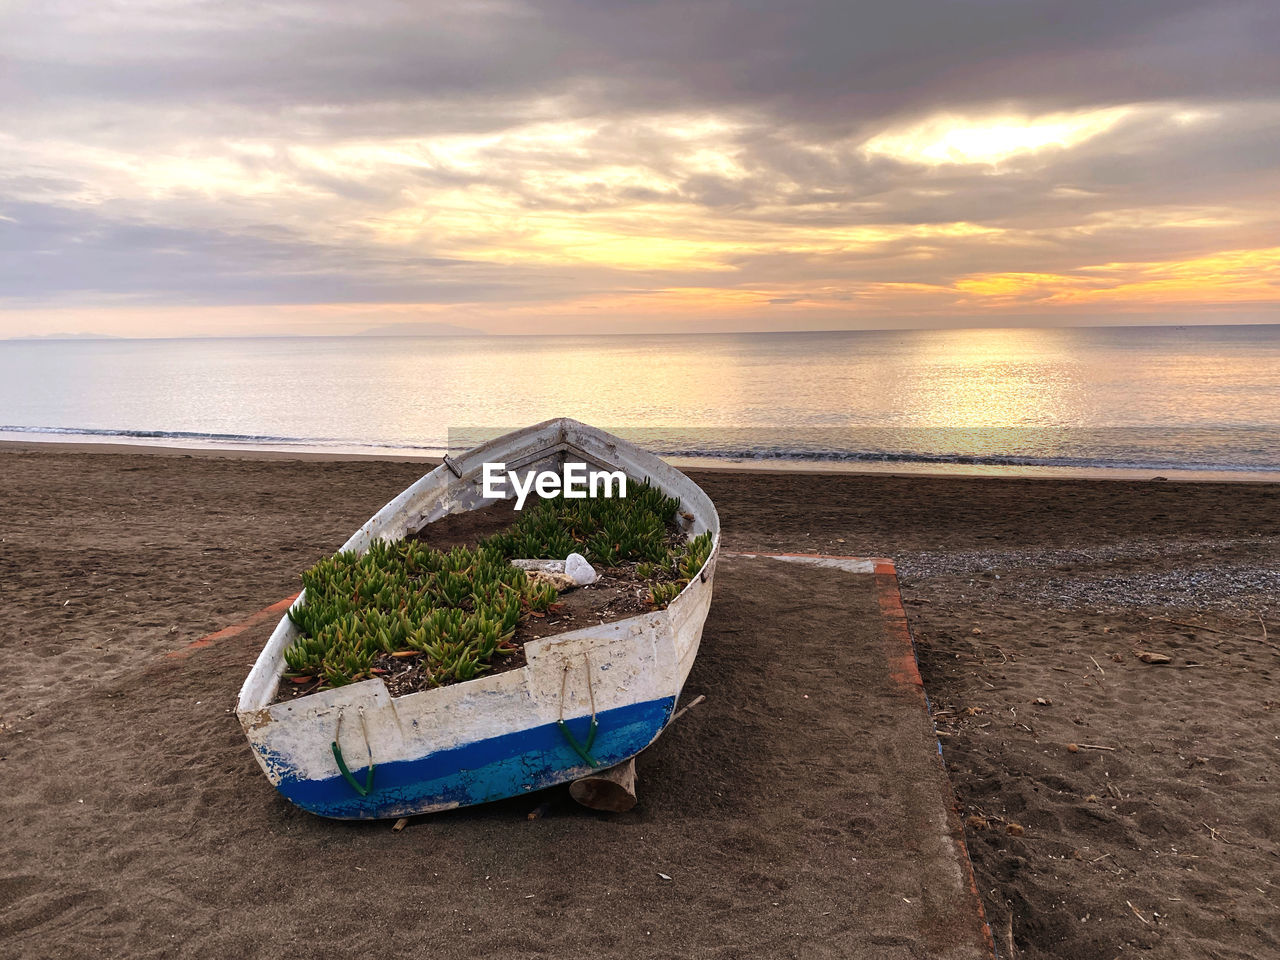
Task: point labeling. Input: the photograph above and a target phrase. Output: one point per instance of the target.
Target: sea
(1200, 401)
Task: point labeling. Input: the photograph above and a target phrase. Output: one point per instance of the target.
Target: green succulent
(459, 609)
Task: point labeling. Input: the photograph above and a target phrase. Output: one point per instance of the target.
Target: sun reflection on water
(989, 391)
(983, 378)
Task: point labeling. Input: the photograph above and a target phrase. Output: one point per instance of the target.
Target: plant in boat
(457, 611)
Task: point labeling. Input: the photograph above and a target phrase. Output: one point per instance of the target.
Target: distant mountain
(410, 328)
(66, 336)
(421, 328)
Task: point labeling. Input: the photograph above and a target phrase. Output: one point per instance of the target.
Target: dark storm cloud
(827, 62)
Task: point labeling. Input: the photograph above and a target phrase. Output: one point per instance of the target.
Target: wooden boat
(585, 700)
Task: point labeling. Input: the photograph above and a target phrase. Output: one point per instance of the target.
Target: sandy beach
(1030, 602)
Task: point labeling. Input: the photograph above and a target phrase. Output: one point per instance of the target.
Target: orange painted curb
(234, 629)
(900, 650)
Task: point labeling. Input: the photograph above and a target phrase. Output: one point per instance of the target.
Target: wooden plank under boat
(500, 735)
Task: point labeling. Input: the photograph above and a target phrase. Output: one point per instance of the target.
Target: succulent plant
(458, 610)
(662, 593)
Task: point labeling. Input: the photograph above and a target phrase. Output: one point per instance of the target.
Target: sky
(612, 166)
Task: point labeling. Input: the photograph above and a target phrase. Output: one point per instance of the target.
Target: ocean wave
(1136, 459)
(808, 455)
(255, 439)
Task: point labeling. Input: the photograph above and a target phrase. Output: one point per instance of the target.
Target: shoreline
(251, 452)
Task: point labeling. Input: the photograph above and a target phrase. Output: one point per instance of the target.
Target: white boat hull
(495, 736)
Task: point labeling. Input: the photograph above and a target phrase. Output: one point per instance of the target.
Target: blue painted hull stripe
(484, 770)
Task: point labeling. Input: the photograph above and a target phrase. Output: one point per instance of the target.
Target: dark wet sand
(1168, 842)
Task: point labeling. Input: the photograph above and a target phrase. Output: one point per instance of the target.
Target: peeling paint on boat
(494, 736)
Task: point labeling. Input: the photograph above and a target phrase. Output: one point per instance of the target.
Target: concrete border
(899, 650)
(904, 670)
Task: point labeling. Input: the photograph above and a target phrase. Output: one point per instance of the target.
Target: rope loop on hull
(581, 749)
(367, 788)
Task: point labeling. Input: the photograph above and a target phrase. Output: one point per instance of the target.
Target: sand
(1168, 843)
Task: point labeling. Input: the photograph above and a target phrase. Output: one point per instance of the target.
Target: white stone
(576, 566)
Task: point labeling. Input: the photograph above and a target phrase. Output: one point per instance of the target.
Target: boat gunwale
(256, 711)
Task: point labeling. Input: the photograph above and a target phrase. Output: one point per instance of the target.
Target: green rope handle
(581, 749)
(346, 774)
(342, 763)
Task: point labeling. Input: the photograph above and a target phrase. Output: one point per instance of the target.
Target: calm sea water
(1155, 398)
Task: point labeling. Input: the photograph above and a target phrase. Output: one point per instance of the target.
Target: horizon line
(99, 338)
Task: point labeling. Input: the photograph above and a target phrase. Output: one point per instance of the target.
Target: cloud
(546, 162)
